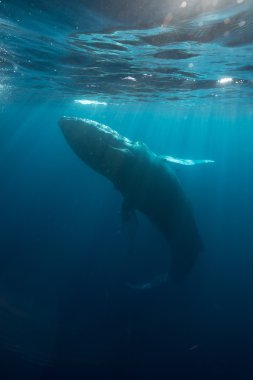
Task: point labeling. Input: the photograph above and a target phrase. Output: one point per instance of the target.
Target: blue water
(83, 296)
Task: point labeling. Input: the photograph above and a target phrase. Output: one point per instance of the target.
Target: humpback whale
(146, 182)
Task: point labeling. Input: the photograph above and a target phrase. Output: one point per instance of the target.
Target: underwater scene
(126, 224)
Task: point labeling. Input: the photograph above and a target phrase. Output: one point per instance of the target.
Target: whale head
(99, 146)
(84, 133)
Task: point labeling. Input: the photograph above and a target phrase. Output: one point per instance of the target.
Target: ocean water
(83, 295)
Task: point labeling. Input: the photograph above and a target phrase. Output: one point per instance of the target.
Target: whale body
(146, 182)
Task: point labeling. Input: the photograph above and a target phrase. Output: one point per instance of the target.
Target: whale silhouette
(146, 182)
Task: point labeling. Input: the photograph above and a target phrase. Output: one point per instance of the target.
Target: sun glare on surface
(225, 80)
(86, 102)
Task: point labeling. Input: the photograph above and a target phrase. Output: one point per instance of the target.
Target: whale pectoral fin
(183, 161)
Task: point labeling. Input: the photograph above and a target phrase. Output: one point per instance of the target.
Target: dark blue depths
(67, 310)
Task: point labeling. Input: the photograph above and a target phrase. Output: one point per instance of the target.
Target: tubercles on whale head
(90, 133)
(81, 136)
(70, 124)
(81, 129)
(96, 144)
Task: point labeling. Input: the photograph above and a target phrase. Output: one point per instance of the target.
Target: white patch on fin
(184, 161)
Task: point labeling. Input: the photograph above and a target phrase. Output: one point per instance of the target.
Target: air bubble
(183, 4)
